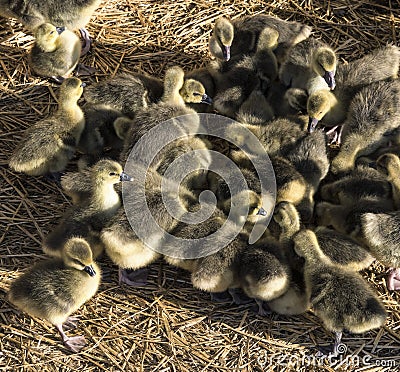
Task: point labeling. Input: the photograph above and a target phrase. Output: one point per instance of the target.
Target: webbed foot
(134, 278)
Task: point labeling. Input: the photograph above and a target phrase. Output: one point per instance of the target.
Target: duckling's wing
(35, 150)
(73, 223)
(77, 182)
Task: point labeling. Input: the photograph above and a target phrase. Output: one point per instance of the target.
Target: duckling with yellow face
(374, 114)
(294, 300)
(234, 39)
(339, 297)
(331, 108)
(124, 246)
(54, 289)
(48, 145)
(131, 93)
(56, 51)
(308, 60)
(72, 15)
(252, 72)
(90, 217)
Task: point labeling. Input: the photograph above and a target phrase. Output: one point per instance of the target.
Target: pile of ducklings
(292, 93)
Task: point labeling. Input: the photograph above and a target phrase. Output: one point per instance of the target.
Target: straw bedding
(166, 325)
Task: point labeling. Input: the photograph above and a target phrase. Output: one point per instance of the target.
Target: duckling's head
(324, 64)
(286, 215)
(221, 39)
(47, 36)
(306, 244)
(268, 39)
(108, 172)
(245, 206)
(121, 126)
(388, 164)
(194, 92)
(318, 105)
(78, 255)
(71, 90)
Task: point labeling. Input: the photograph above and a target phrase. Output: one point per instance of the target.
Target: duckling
(219, 271)
(290, 184)
(72, 15)
(286, 102)
(99, 135)
(362, 182)
(214, 272)
(221, 39)
(340, 297)
(310, 159)
(342, 251)
(379, 65)
(331, 107)
(255, 110)
(307, 60)
(130, 93)
(56, 51)
(294, 300)
(380, 232)
(89, 218)
(346, 218)
(220, 188)
(205, 77)
(53, 289)
(263, 273)
(77, 185)
(127, 93)
(188, 151)
(248, 74)
(239, 37)
(389, 165)
(48, 145)
(367, 124)
(123, 245)
(171, 105)
(322, 104)
(278, 136)
(264, 59)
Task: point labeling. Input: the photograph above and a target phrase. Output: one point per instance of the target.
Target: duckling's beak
(83, 85)
(60, 30)
(312, 124)
(329, 77)
(125, 177)
(262, 212)
(89, 269)
(206, 99)
(226, 52)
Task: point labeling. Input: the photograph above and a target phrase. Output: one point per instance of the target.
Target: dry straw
(167, 325)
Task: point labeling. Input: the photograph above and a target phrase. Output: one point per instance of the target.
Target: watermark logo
(341, 358)
(164, 142)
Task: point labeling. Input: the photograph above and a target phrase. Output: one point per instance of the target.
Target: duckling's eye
(252, 208)
(113, 174)
(79, 263)
(52, 32)
(197, 94)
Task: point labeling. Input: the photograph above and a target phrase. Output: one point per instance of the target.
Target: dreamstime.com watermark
(331, 360)
(164, 141)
